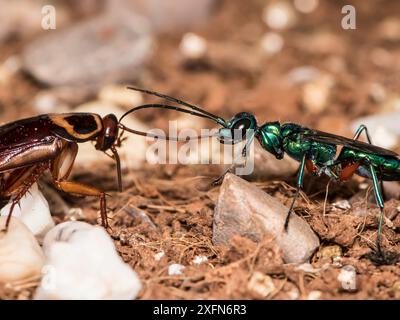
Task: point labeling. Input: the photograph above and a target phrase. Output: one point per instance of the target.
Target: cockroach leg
(25, 186)
(85, 190)
(60, 169)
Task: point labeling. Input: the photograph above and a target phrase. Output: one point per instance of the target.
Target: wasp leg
(379, 201)
(364, 128)
(243, 154)
(383, 257)
(299, 184)
(34, 176)
(61, 167)
(360, 129)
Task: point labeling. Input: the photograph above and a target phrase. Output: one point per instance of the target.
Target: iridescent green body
(298, 141)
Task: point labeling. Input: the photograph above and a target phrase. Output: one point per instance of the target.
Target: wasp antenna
(217, 119)
(165, 137)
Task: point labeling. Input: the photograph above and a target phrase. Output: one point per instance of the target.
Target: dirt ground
(178, 201)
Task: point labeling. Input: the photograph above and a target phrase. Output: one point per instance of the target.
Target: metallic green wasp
(319, 152)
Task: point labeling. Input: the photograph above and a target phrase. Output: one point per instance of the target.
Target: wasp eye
(241, 126)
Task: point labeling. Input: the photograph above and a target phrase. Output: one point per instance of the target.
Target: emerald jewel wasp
(319, 152)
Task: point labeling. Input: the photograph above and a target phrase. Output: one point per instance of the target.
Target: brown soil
(178, 202)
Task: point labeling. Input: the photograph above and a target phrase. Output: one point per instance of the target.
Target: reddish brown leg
(60, 170)
(24, 188)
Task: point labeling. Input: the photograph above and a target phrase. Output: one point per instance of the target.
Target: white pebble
(293, 294)
(272, 43)
(8, 68)
(347, 278)
(159, 255)
(261, 284)
(384, 138)
(314, 295)
(303, 74)
(199, 260)
(45, 102)
(193, 46)
(175, 269)
(33, 210)
(342, 204)
(84, 264)
(278, 15)
(306, 6)
(20, 254)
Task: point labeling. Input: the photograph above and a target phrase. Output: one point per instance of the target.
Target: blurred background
(288, 60)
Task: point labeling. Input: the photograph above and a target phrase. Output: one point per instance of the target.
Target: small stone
(9, 68)
(199, 260)
(314, 295)
(261, 285)
(175, 269)
(192, 46)
(342, 204)
(347, 278)
(120, 96)
(132, 151)
(377, 92)
(82, 263)
(20, 254)
(395, 290)
(306, 6)
(383, 128)
(330, 252)
(389, 29)
(307, 267)
(303, 74)
(243, 209)
(317, 94)
(159, 255)
(384, 137)
(33, 210)
(279, 15)
(272, 43)
(293, 294)
(115, 49)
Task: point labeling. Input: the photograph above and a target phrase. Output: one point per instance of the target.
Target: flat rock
(243, 209)
(104, 49)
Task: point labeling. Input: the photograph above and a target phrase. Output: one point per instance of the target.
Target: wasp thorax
(109, 134)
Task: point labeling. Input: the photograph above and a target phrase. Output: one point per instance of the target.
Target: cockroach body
(29, 147)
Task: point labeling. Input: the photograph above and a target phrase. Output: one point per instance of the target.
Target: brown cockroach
(29, 147)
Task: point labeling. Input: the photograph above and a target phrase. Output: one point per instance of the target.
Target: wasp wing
(329, 138)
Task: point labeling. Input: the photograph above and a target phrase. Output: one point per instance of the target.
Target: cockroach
(31, 146)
